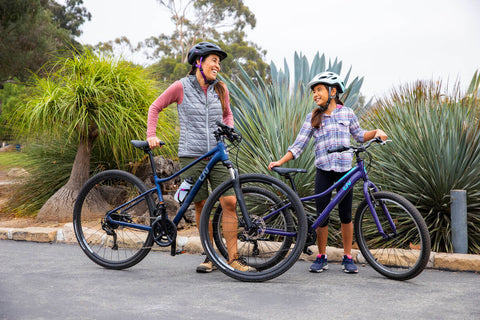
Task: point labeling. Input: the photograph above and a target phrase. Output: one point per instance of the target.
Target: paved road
(42, 281)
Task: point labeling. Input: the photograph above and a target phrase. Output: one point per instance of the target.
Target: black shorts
(323, 181)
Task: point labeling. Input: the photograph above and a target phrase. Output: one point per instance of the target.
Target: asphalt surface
(44, 281)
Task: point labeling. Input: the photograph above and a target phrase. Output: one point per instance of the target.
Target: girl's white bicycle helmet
(330, 79)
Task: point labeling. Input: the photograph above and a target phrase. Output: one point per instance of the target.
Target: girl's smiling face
(320, 94)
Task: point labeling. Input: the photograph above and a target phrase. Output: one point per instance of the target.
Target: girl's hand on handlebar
(287, 157)
(380, 134)
(154, 142)
(273, 164)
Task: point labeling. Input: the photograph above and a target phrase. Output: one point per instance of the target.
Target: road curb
(192, 245)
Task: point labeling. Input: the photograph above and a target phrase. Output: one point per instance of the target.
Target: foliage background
(435, 149)
(270, 113)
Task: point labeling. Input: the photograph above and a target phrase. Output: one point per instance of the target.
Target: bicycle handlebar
(338, 149)
(358, 149)
(228, 132)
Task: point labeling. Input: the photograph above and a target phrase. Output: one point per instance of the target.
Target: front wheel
(109, 197)
(277, 236)
(402, 252)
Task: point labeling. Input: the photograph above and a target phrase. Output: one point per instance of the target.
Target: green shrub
(435, 149)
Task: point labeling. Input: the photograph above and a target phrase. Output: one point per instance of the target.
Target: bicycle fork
(368, 189)
(241, 200)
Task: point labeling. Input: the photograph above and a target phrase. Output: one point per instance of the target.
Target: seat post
(290, 178)
(152, 161)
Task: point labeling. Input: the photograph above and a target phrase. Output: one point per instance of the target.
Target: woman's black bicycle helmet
(203, 49)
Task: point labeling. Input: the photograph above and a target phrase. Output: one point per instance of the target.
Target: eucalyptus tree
(32, 31)
(89, 100)
(222, 22)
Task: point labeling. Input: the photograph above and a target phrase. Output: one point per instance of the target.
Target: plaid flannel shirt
(335, 131)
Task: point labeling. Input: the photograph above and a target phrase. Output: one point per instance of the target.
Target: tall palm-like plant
(270, 114)
(88, 100)
(436, 138)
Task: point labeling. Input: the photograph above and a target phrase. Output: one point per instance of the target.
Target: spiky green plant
(435, 149)
(270, 114)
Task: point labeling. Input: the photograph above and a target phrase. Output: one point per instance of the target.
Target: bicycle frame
(346, 183)
(219, 153)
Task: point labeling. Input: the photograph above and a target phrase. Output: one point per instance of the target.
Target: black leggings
(323, 181)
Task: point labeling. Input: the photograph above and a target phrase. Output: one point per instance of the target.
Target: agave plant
(436, 138)
(270, 114)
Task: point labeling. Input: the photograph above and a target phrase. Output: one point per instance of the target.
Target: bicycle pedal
(307, 251)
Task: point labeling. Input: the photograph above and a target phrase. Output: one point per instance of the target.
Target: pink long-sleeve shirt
(174, 93)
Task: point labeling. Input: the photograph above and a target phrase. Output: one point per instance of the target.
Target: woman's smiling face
(211, 66)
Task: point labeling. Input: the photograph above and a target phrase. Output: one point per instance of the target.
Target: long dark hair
(317, 115)
(219, 88)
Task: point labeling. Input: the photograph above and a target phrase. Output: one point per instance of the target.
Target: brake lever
(385, 142)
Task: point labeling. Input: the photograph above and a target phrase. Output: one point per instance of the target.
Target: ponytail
(222, 93)
(317, 117)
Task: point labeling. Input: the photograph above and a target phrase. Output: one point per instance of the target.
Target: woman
(330, 124)
(201, 101)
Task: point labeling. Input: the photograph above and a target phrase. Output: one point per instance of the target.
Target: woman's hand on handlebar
(154, 142)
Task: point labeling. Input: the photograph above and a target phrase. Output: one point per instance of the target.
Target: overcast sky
(388, 42)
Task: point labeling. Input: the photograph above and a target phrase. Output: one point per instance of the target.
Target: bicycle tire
(403, 255)
(270, 254)
(108, 244)
(257, 197)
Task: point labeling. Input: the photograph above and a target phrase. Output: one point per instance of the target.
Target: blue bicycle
(389, 231)
(117, 220)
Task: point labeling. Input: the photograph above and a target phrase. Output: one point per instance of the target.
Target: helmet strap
(330, 97)
(199, 66)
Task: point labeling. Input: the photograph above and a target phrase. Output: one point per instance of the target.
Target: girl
(330, 125)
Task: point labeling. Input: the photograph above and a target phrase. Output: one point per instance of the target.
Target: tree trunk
(60, 206)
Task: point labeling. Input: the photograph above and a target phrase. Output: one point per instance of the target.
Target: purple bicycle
(389, 231)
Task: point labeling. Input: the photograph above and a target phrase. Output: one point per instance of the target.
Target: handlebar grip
(222, 125)
(338, 149)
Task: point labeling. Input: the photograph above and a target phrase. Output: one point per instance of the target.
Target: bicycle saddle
(285, 171)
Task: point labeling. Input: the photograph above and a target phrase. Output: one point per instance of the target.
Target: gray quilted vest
(197, 115)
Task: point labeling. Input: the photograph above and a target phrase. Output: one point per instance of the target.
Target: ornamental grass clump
(86, 107)
(435, 149)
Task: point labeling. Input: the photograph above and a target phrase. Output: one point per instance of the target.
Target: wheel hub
(258, 229)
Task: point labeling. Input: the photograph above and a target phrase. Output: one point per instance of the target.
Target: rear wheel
(403, 252)
(277, 238)
(100, 204)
